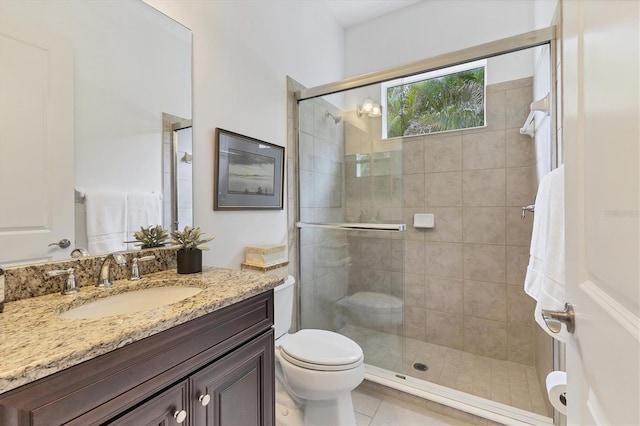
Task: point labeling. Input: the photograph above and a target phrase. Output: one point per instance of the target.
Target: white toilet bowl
(376, 311)
(316, 370)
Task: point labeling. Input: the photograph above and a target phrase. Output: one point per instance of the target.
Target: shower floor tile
(501, 381)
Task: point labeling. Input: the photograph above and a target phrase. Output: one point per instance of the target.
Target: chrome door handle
(555, 319)
(64, 243)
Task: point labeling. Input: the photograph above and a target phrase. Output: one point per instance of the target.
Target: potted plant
(190, 252)
(149, 237)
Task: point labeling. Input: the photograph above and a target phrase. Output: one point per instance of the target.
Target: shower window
(452, 98)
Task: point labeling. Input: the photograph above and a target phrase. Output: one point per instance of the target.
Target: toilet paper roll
(557, 390)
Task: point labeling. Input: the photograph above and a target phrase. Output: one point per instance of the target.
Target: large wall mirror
(95, 104)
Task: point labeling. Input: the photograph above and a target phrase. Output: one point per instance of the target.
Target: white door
(601, 86)
(36, 145)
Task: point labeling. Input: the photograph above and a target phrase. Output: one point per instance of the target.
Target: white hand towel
(143, 210)
(545, 280)
(106, 221)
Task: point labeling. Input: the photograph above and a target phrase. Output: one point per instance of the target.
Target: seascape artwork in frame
(249, 173)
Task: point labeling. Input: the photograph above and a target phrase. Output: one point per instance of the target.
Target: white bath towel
(545, 279)
(143, 210)
(106, 221)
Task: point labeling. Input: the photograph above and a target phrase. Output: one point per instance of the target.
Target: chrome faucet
(70, 287)
(104, 279)
(135, 269)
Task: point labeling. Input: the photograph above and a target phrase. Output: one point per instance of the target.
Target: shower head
(336, 118)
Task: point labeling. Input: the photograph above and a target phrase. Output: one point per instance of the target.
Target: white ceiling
(353, 12)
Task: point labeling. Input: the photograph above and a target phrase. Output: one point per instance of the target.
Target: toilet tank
(283, 307)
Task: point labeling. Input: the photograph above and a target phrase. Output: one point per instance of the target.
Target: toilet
(376, 311)
(316, 370)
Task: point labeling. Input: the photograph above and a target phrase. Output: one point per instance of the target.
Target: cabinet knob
(204, 399)
(180, 416)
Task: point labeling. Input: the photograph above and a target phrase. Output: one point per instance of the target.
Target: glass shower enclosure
(437, 309)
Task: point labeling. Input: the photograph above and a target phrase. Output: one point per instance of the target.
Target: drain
(420, 366)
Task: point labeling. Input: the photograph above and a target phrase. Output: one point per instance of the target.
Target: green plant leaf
(151, 236)
(190, 238)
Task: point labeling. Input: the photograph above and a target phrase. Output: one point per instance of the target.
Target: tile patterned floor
(372, 408)
(501, 381)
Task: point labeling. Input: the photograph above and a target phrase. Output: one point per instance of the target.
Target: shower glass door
(442, 306)
(351, 225)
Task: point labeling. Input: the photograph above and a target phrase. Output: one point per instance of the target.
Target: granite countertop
(35, 342)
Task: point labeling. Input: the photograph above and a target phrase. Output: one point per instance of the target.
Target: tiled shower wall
(373, 184)
(463, 279)
(323, 275)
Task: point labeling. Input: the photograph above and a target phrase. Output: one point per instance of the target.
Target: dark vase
(189, 261)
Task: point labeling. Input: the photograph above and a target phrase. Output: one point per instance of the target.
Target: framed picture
(249, 173)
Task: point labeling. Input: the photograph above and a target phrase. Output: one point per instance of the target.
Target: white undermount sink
(131, 302)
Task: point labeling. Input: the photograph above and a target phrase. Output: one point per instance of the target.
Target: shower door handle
(396, 227)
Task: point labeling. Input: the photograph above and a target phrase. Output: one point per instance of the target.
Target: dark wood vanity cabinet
(214, 370)
(236, 387)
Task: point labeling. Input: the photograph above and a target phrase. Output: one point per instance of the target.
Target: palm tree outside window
(449, 99)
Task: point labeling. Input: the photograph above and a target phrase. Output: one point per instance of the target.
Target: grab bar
(397, 227)
(539, 105)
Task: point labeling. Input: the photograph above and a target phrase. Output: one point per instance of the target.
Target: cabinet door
(240, 387)
(167, 409)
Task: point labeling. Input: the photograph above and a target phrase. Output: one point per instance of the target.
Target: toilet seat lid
(321, 350)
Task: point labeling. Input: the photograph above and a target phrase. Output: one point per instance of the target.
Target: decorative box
(278, 269)
(265, 255)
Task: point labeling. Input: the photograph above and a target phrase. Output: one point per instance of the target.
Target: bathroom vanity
(206, 360)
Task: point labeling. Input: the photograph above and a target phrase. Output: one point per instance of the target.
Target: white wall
(435, 27)
(543, 12)
(243, 51)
